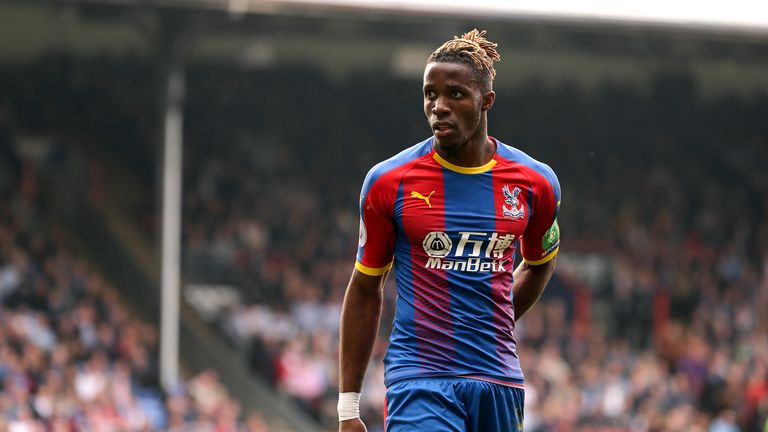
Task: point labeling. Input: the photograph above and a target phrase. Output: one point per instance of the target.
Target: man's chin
(447, 146)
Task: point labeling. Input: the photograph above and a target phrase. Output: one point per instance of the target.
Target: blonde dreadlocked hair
(473, 49)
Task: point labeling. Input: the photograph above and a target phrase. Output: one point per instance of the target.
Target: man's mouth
(442, 129)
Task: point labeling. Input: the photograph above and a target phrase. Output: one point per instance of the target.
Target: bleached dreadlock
(472, 49)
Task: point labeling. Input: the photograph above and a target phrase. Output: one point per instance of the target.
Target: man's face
(453, 104)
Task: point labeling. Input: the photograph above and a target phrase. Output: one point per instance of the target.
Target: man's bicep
(366, 282)
(546, 268)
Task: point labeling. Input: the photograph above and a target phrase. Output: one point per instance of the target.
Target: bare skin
(360, 314)
(530, 281)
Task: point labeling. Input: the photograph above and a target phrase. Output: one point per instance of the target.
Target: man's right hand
(354, 425)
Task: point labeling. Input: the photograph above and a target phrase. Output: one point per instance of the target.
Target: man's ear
(488, 99)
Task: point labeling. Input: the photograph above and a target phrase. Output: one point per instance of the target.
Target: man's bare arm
(530, 281)
(360, 315)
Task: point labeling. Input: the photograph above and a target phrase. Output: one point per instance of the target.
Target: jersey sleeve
(376, 243)
(541, 239)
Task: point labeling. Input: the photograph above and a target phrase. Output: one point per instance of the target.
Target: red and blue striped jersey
(450, 234)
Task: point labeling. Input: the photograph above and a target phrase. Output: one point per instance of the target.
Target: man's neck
(475, 153)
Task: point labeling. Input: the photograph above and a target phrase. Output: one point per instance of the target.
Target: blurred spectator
(72, 358)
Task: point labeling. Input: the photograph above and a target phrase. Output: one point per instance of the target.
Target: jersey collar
(465, 170)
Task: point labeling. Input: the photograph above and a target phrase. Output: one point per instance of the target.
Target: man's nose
(440, 106)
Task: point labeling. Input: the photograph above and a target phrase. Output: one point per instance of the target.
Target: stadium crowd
(73, 357)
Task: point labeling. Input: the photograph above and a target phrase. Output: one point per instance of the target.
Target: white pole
(171, 229)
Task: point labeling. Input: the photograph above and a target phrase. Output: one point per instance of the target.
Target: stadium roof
(749, 16)
(735, 15)
(345, 40)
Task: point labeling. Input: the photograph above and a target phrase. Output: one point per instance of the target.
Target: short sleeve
(541, 239)
(376, 241)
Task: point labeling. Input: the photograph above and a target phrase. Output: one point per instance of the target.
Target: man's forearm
(530, 281)
(360, 316)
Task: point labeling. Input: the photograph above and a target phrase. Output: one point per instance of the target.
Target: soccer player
(446, 216)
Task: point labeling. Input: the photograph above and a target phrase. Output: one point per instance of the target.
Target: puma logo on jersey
(415, 194)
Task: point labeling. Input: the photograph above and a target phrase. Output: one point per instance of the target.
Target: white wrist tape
(349, 406)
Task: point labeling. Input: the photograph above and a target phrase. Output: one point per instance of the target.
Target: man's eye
(456, 94)
(429, 94)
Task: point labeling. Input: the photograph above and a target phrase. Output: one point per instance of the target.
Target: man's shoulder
(399, 161)
(516, 156)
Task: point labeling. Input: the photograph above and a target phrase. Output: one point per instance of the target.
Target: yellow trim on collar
(544, 260)
(464, 170)
(372, 271)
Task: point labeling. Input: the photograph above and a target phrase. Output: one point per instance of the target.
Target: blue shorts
(453, 405)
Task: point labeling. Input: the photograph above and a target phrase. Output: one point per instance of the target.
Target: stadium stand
(73, 357)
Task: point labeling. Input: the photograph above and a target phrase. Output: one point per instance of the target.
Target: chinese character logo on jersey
(475, 252)
(512, 207)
